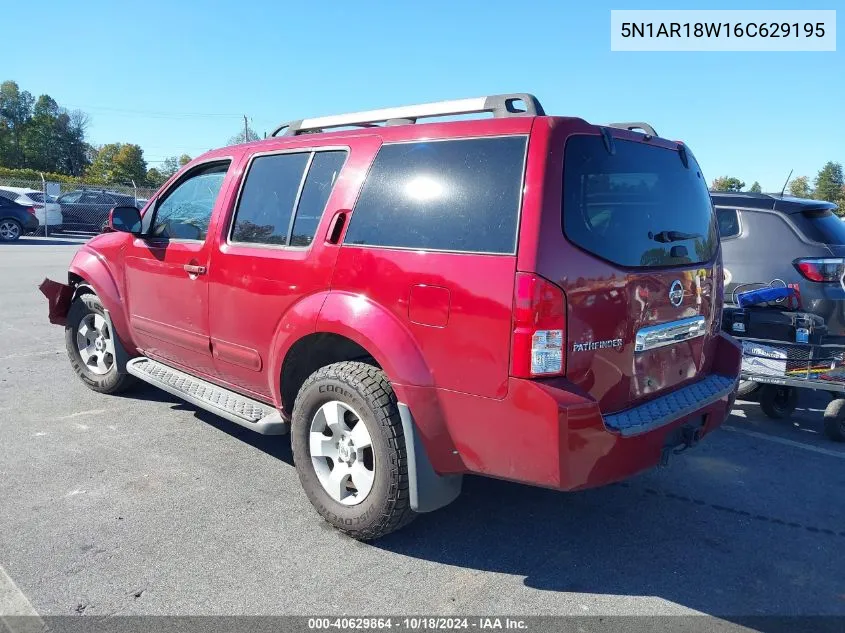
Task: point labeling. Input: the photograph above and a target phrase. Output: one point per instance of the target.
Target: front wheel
(90, 344)
(349, 450)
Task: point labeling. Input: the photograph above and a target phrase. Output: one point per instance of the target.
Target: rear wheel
(777, 401)
(834, 420)
(10, 230)
(349, 450)
(90, 344)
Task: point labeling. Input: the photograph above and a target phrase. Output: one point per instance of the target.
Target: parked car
(810, 246)
(16, 220)
(49, 213)
(526, 297)
(808, 239)
(88, 209)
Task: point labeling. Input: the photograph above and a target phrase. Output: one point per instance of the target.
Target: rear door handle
(192, 269)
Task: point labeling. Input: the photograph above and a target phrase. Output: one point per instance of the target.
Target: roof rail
(499, 105)
(634, 126)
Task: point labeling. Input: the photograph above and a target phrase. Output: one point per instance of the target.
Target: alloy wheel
(342, 453)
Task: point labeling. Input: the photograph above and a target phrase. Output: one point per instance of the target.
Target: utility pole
(246, 131)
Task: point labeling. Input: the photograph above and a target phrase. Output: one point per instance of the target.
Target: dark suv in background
(88, 209)
(768, 237)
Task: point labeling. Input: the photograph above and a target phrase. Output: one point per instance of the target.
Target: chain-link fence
(77, 207)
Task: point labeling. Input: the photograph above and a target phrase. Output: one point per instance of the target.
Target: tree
(119, 163)
(15, 112)
(727, 183)
(172, 164)
(155, 178)
(829, 182)
(756, 188)
(244, 136)
(800, 187)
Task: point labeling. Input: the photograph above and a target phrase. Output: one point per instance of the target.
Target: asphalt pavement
(140, 504)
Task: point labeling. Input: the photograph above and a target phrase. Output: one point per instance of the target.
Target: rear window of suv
(638, 206)
(821, 225)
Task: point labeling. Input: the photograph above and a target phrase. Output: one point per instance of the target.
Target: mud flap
(58, 299)
(428, 490)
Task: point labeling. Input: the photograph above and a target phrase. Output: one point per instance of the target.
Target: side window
(457, 195)
(185, 212)
(70, 198)
(266, 213)
(728, 222)
(269, 193)
(322, 175)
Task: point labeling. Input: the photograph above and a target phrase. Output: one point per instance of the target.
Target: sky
(177, 77)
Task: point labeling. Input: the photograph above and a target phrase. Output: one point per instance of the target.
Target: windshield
(637, 207)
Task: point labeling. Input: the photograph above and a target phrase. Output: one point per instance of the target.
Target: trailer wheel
(747, 389)
(834, 420)
(777, 401)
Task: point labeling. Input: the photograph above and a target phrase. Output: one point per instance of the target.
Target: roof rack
(499, 105)
(633, 126)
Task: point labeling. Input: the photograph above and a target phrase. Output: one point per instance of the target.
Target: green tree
(119, 163)
(829, 182)
(244, 136)
(800, 187)
(727, 183)
(756, 188)
(15, 113)
(172, 164)
(155, 178)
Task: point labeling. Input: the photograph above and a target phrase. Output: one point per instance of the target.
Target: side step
(256, 416)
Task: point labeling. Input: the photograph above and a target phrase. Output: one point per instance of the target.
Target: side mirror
(125, 219)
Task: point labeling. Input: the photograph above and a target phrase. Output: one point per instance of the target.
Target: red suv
(522, 296)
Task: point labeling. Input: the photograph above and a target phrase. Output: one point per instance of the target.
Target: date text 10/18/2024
(417, 623)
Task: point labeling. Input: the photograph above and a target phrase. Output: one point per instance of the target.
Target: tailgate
(642, 309)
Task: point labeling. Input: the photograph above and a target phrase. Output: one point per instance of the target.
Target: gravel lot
(143, 505)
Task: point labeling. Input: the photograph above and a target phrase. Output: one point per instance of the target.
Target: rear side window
(276, 206)
(637, 207)
(460, 195)
(269, 193)
(821, 226)
(322, 176)
(728, 220)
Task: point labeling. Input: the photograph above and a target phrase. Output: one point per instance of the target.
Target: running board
(252, 414)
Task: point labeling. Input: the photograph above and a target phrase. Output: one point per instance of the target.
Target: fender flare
(378, 331)
(89, 266)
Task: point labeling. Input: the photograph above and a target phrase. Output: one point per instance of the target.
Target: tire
(10, 230)
(97, 371)
(747, 389)
(358, 394)
(834, 420)
(778, 402)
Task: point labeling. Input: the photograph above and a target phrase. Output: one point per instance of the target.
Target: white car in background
(34, 198)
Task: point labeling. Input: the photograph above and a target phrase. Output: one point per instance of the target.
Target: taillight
(539, 328)
(824, 269)
(30, 210)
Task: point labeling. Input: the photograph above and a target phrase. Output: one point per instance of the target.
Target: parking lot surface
(140, 504)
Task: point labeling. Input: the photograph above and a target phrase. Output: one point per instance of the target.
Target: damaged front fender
(58, 299)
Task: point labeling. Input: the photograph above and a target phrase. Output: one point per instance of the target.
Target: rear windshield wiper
(673, 236)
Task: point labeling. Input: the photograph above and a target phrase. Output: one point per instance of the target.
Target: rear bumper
(551, 434)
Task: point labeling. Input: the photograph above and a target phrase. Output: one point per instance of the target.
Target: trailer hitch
(686, 437)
